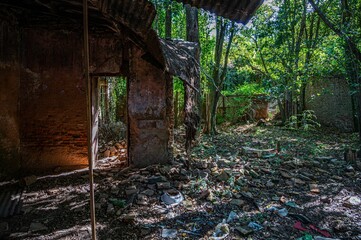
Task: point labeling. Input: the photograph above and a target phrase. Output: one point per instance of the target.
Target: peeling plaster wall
(149, 125)
(9, 94)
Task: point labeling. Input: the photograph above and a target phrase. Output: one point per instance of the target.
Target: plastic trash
(172, 197)
(272, 209)
(169, 233)
(298, 226)
(190, 233)
(354, 201)
(306, 237)
(221, 231)
(292, 204)
(323, 232)
(300, 217)
(325, 238)
(282, 212)
(232, 216)
(244, 230)
(255, 226)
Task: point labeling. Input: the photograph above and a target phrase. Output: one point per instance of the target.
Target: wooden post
(89, 117)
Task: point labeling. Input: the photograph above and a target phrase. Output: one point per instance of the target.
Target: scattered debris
(324, 238)
(37, 227)
(245, 230)
(300, 217)
(282, 212)
(353, 201)
(255, 226)
(27, 181)
(172, 197)
(220, 184)
(232, 216)
(323, 232)
(169, 233)
(314, 188)
(221, 231)
(306, 237)
(118, 202)
(298, 226)
(292, 204)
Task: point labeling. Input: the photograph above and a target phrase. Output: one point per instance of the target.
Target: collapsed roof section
(236, 10)
(180, 59)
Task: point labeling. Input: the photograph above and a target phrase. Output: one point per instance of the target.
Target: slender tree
(191, 97)
(224, 31)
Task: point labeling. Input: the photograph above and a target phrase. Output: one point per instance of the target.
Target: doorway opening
(112, 122)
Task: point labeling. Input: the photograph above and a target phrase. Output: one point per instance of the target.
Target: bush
(238, 102)
(305, 121)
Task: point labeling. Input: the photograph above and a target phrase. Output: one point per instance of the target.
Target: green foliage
(117, 98)
(283, 49)
(305, 121)
(248, 90)
(238, 102)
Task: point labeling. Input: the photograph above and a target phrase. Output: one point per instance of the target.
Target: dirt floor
(247, 182)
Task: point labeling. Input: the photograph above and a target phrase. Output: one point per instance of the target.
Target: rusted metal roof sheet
(137, 15)
(104, 14)
(236, 10)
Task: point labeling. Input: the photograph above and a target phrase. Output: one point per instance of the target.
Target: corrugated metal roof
(136, 15)
(237, 10)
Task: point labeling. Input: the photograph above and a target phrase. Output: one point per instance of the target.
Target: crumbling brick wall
(149, 129)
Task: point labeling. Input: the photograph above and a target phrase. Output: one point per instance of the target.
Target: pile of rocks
(117, 149)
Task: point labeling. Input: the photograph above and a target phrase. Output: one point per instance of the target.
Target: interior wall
(53, 101)
(53, 97)
(149, 125)
(9, 93)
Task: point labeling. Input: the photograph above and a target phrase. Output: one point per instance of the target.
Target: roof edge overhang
(239, 11)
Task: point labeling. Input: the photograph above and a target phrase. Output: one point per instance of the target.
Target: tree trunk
(168, 20)
(192, 101)
(352, 69)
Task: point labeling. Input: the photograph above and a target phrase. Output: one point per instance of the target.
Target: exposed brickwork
(331, 101)
(147, 109)
(9, 93)
(43, 102)
(52, 102)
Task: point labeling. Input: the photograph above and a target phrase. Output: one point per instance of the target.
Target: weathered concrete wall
(147, 113)
(9, 93)
(331, 101)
